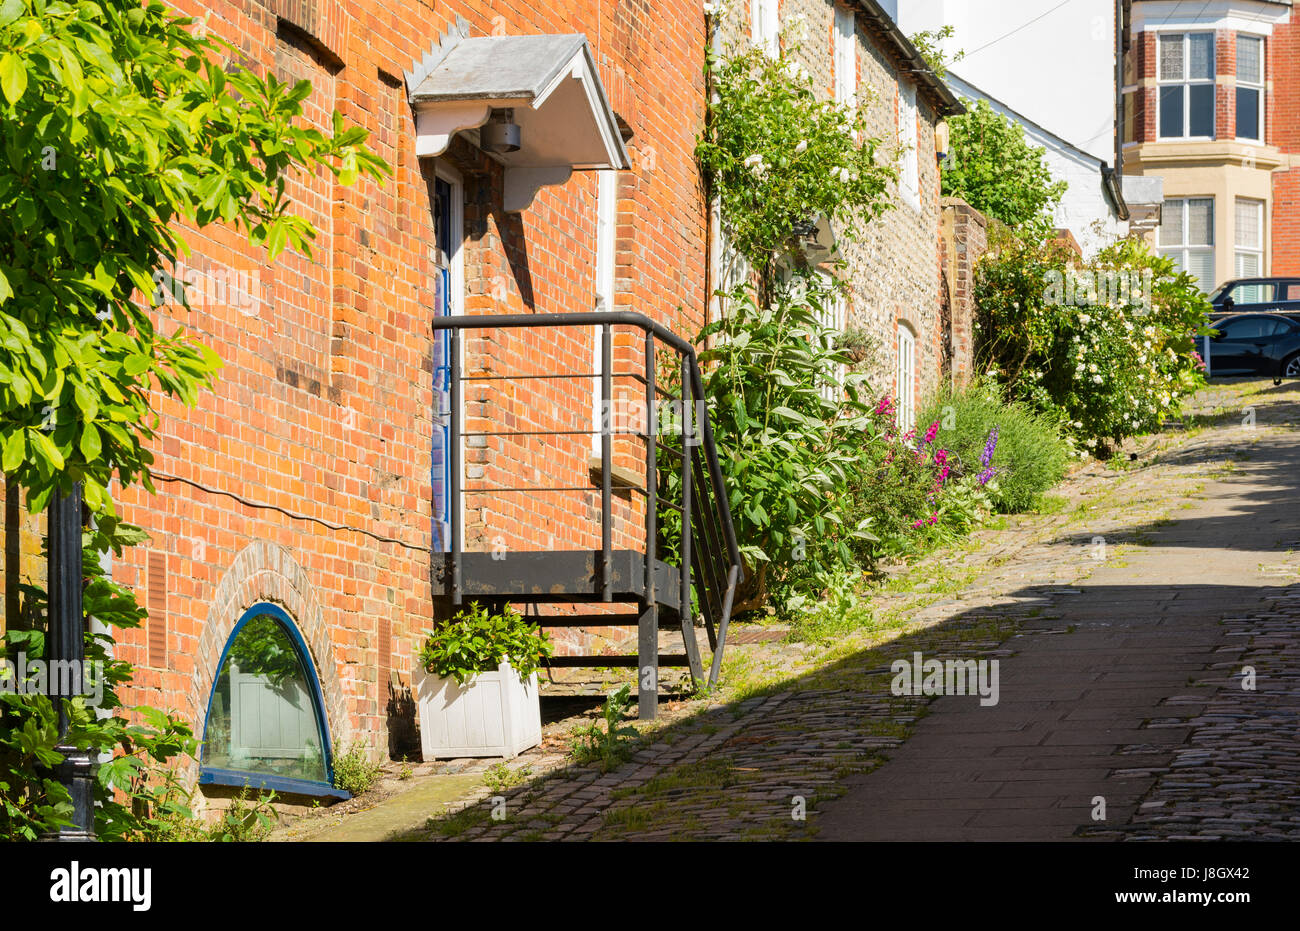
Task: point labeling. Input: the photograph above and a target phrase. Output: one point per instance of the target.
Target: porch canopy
(550, 84)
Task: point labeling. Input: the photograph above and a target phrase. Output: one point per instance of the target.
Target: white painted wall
(1054, 62)
(1085, 210)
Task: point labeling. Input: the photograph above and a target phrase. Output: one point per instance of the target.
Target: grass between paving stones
(684, 799)
(453, 824)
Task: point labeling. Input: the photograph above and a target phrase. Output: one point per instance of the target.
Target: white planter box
(492, 714)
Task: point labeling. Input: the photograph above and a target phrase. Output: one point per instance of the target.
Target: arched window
(266, 725)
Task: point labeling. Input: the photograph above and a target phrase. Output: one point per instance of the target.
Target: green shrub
(1111, 343)
(353, 770)
(1029, 454)
(896, 487)
(788, 430)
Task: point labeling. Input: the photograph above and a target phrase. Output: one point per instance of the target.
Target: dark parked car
(1257, 295)
(1256, 344)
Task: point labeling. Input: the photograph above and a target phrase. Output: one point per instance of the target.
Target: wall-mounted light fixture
(500, 134)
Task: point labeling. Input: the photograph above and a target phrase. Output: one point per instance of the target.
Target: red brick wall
(1148, 98)
(1225, 95)
(964, 239)
(323, 408)
(1283, 128)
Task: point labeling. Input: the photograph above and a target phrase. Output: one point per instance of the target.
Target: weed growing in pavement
(460, 822)
(500, 777)
(353, 770)
(612, 745)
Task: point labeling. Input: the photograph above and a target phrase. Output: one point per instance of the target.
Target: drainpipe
(713, 305)
(66, 647)
(1117, 175)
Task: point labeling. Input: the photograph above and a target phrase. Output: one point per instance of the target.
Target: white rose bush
(1108, 345)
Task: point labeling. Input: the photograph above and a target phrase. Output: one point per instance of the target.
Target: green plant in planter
(476, 640)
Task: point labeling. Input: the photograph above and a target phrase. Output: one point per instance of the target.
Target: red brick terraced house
(542, 165)
(378, 452)
(1211, 104)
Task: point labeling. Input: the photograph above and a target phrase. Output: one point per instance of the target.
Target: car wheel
(1291, 367)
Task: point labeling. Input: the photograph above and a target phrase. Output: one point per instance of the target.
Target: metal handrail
(699, 526)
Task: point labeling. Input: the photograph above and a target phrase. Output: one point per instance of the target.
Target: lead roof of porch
(498, 68)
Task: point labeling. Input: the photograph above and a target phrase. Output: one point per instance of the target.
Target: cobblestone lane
(1121, 622)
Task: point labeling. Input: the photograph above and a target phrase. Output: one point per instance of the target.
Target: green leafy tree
(121, 124)
(929, 42)
(997, 172)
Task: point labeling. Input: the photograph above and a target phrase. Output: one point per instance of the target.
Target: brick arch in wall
(266, 572)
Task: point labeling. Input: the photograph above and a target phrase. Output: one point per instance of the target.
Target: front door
(447, 301)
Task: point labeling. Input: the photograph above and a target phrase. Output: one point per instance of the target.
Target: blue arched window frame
(214, 775)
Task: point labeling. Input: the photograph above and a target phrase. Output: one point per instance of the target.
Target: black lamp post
(66, 650)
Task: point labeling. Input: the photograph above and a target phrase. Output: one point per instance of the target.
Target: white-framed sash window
(765, 25)
(1185, 79)
(906, 379)
(1248, 239)
(1187, 236)
(846, 58)
(1250, 88)
(909, 179)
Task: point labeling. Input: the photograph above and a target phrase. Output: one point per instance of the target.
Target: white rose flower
(796, 27)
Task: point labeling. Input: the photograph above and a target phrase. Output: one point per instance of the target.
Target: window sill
(282, 784)
(1165, 152)
(622, 481)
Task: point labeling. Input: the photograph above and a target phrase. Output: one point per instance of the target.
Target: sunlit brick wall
(323, 408)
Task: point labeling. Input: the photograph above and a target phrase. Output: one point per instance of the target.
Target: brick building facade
(306, 486)
(893, 272)
(1211, 96)
(303, 480)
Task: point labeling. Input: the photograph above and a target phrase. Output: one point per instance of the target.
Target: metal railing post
(453, 433)
(688, 409)
(651, 470)
(606, 463)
